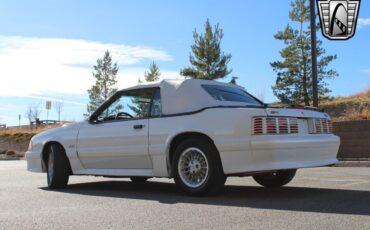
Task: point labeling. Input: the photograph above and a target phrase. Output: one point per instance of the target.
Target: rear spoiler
(304, 107)
(294, 107)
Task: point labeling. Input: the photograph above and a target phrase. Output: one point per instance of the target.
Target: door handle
(138, 126)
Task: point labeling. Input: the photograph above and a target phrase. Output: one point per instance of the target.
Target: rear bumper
(34, 163)
(294, 151)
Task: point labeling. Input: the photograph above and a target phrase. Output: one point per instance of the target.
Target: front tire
(275, 179)
(57, 167)
(197, 167)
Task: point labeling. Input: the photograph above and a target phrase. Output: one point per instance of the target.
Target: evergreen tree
(207, 60)
(105, 73)
(153, 74)
(294, 80)
(140, 108)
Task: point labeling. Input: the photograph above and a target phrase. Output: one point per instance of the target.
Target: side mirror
(93, 119)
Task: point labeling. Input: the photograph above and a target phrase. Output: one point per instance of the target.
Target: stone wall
(355, 139)
(7, 143)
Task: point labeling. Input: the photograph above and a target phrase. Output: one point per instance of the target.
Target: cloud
(55, 99)
(3, 108)
(130, 77)
(366, 71)
(46, 66)
(363, 22)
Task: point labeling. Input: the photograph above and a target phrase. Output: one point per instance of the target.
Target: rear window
(226, 93)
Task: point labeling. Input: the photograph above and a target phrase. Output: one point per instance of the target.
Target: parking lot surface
(320, 198)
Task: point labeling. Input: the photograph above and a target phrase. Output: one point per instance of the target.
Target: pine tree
(153, 74)
(105, 73)
(294, 80)
(140, 108)
(207, 60)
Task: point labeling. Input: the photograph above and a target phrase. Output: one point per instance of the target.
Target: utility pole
(314, 54)
(48, 107)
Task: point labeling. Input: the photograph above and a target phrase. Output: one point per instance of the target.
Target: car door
(117, 135)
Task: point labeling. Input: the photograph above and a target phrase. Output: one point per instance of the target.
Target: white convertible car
(195, 131)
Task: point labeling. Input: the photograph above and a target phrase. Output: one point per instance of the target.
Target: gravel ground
(321, 198)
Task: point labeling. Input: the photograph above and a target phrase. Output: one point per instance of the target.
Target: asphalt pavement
(320, 198)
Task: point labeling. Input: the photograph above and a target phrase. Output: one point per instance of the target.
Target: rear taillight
(275, 125)
(258, 125)
(271, 126)
(294, 125)
(320, 125)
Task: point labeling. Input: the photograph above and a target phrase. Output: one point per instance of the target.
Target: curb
(8, 158)
(353, 164)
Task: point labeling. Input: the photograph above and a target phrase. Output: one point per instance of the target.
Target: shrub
(362, 113)
(10, 153)
(19, 154)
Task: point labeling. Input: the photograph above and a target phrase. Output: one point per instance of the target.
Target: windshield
(226, 93)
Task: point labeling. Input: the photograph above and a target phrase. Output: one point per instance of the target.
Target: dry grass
(18, 138)
(11, 153)
(359, 114)
(355, 107)
(11, 131)
(24, 133)
(361, 97)
(365, 93)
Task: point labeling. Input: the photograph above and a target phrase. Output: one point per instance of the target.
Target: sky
(48, 48)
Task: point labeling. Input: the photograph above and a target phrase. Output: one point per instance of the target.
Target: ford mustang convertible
(195, 131)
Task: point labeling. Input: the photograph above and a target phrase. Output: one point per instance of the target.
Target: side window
(156, 110)
(130, 105)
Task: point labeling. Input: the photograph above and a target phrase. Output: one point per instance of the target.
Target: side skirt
(116, 172)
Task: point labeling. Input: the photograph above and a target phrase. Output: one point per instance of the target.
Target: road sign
(48, 105)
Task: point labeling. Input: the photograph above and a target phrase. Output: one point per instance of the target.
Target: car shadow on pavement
(304, 199)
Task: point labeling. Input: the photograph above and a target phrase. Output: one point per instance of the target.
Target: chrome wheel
(51, 164)
(193, 167)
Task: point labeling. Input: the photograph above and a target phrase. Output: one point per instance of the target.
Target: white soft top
(183, 96)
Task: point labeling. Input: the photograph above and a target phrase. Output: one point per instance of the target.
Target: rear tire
(197, 167)
(58, 169)
(275, 179)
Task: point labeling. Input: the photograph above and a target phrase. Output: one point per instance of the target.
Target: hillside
(14, 141)
(356, 107)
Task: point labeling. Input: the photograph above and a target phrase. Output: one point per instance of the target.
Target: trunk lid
(299, 113)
